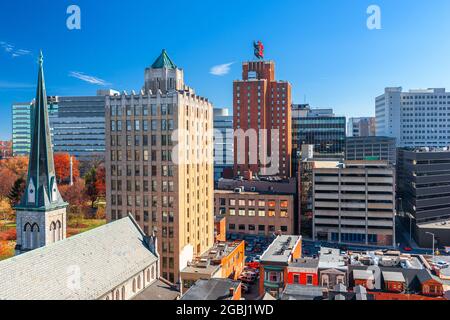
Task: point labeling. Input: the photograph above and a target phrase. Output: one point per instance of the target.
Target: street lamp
(432, 234)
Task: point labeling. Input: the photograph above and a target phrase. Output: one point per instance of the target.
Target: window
(296, 279)
(261, 213)
(232, 227)
(242, 212)
(284, 214)
(271, 213)
(232, 212)
(251, 213)
(284, 204)
(251, 227)
(309, 280)
(261, 203)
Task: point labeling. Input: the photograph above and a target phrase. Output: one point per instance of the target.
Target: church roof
(104, 257)
(163, 61)
(42, 192)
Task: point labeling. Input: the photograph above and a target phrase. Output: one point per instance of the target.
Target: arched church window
(123, 293)
(148, 275)
(139, 282)
(26, 243)
(134, 285)
(58, 231)
(53, 232)
(153, 272)
(35, 236)
(117, 294)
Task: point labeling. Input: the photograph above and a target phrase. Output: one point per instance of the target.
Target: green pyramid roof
(163, 61)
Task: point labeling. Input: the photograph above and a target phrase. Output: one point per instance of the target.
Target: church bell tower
(41, 214)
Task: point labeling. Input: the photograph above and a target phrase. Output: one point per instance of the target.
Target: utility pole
(71, 170)
(432, 234)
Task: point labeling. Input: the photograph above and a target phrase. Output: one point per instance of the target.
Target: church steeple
(41, 215)
(42, 191)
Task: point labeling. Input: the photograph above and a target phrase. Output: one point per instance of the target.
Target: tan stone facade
(255, 213)
(159, 165)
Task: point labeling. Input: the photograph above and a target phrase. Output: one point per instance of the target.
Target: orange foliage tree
(10, 171)
(62, 167)
(100, 181)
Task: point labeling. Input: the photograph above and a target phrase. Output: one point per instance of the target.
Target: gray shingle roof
(106, 257)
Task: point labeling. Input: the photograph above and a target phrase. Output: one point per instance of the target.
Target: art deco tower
(41, 215)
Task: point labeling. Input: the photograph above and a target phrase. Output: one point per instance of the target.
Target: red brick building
(262, 103)
(304, 272)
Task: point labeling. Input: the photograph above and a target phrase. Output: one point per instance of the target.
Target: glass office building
(319, 128)
(21, 125)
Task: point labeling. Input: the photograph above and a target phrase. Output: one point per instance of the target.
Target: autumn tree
(100, 181)
(62, 167)
(17, 191)
(10, 170)
(76, 197)
(7, 179)
(91, 189)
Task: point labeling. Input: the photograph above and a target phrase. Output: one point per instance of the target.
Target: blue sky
(322, 47)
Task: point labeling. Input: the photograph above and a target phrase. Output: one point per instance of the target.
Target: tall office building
(418, 118)
(21, 125)
(262, 105)
(223, 142)
(320, 128)
(355, 203)
(371, 148)
(424, 192)
(159, 164)
(361, 127)
(77, 125)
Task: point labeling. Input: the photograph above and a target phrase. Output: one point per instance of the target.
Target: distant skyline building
(223, 144)
(77, 125)
(262, 107)
(361, 127)
(417, 118)
(320, 128)
(423, 179)
(159, 164)
(21, 125)
(371, 148)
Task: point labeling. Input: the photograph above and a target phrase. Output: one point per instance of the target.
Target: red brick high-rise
(262, 103)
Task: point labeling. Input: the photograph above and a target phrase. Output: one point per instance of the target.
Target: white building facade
(418, 118)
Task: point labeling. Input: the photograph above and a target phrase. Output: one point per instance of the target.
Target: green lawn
(78, 226)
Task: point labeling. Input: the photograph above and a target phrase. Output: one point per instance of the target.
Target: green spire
(163, 61)
(41, 191)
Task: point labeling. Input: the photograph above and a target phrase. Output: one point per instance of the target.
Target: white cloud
(10, 49)
(221, 69)
(88, 79)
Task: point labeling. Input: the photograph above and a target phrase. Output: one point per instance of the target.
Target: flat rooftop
(330, 258)
(210, 262)
(211, 290)
(281, 249)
